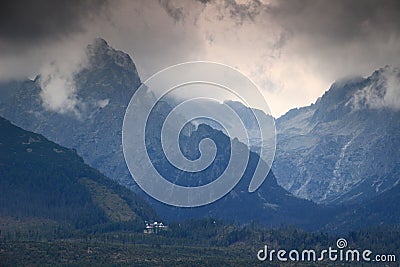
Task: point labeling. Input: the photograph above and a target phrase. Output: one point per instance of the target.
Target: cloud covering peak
(382, 92)
(293, 50)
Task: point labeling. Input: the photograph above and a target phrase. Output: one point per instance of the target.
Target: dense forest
(204, 242)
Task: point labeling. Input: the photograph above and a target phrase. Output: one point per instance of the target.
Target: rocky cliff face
(345, 147)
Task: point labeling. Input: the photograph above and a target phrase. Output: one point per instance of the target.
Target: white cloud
(57, 78)
(383, 92)
(58, 91)
(392, 96)
(103, 103)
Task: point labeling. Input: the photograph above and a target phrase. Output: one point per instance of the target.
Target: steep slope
(345, 147)
(104, 87)
(40, 179)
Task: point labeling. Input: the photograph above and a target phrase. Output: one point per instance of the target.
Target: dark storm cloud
(340, 20)
(174, 12)
(239, 12)
(23, 23)
(244, 11)
(284, 37)
(204, 1)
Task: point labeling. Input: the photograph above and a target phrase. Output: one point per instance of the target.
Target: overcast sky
(293, 50)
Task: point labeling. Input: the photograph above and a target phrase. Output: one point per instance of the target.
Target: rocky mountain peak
(334, 102)
(352, 94)
(99, 43)
(380, 91)
(109, 74)
(100, 55)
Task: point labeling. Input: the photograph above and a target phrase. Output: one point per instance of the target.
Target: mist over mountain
(345, 147)
(104, 88)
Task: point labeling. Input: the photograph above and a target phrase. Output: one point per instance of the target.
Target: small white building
(154, 227)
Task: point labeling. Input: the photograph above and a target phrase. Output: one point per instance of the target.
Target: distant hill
(42, 180)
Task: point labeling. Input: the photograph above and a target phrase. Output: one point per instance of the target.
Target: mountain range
(341, 150)
(96, 135)
(344, 148)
